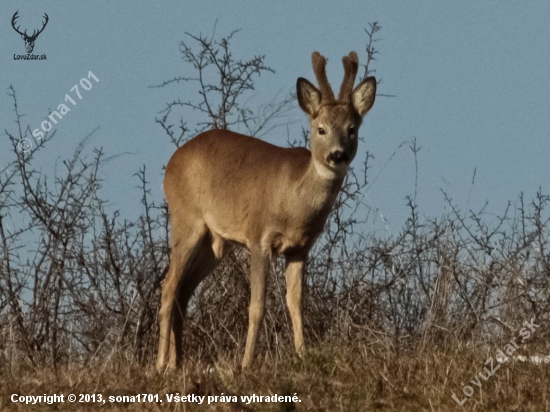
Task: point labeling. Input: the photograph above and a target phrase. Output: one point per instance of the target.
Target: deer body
(226, 189)
(232, 205)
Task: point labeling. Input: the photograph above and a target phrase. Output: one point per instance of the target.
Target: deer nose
(337, 157)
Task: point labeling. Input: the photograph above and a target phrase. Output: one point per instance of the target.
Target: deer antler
(15, 16)
(36, 33)
(319, 64)
(351, 65)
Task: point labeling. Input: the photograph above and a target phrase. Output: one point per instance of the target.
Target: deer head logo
(29, 40)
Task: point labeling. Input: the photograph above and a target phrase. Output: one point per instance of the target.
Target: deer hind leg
(259, 268)
(186, 241)
(204, 262)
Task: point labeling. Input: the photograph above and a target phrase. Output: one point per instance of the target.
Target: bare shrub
(79, 283)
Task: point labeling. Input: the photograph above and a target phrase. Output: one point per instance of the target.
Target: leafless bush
(79, 283)
(74, 281)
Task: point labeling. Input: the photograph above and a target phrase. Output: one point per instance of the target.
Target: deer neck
(321, 185)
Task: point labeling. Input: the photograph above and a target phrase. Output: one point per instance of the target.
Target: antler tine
(15, 16)
(319, 68)
(46, 19)
(37, 32)
(351, 65)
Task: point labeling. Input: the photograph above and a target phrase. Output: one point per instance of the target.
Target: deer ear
(23, 36)
(309, 97)
(363, 95)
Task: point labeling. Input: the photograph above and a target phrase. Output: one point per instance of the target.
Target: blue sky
(471, 80)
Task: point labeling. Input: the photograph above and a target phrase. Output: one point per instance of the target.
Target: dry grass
(358, 377)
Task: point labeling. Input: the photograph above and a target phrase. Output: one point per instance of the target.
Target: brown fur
(226, 189)
(319, 69)
(351, 65)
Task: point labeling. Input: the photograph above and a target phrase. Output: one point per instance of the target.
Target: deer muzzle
(338, 157)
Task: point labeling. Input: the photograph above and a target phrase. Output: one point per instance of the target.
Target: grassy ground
(355, 378)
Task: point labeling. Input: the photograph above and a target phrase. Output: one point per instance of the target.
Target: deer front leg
(259, 268)
(295, 268)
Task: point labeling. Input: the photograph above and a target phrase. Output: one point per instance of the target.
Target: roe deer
(225, 189)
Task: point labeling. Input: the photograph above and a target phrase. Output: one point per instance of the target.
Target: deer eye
(351, 130)
(321, 130)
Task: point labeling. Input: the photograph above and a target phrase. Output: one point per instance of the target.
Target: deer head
(29, 40)
(335, 122)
